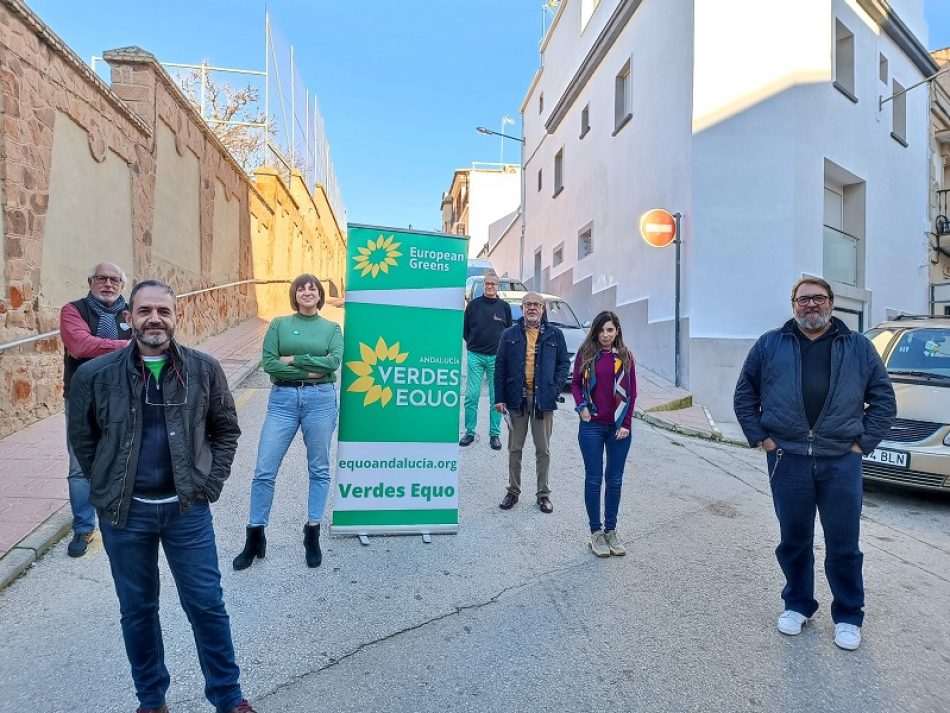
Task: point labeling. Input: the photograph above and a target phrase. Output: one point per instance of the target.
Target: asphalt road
(513, 613)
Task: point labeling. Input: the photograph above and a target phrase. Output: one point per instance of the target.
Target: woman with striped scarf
(604, 385)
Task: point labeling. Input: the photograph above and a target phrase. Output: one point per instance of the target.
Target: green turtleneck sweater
(315, 343)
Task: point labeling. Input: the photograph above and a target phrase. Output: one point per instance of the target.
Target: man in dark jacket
(154, 428)
(486, 317)
(815, 396)
(531, 368)
(89, 328)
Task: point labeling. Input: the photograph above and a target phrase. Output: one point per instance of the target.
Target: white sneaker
(790, 622)
(847, 636)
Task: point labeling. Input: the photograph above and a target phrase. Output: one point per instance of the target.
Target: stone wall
(129, 173)
(293, 232)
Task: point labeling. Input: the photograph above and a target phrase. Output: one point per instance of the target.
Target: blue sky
(402, 84)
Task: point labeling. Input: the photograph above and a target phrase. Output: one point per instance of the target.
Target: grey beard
(154, 341)
(812, 322)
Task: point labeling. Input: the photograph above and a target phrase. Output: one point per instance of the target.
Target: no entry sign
(658, 227)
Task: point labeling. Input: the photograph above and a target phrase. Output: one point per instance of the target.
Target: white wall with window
(777, 171)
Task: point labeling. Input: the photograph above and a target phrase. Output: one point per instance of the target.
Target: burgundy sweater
(603, 395)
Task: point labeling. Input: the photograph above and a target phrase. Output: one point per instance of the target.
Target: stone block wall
(51, 103)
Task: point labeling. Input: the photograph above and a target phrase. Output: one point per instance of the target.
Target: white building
(760, 122)
(478, 197)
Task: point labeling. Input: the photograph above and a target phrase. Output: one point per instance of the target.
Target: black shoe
(467, 440)
(545, 504)
(509, 501)
(254, 546)
(311, 543)
(495, 443)
(77, 547)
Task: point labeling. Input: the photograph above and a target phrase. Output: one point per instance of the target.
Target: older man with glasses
(530, 369)
(486, 317)
(89, 328)
(815, 396)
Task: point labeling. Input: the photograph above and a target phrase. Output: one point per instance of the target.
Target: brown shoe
(243, 707)
(545, 504)
(163, 709)
(508, 501)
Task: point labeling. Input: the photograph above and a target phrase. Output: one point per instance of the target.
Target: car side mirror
(587, 324)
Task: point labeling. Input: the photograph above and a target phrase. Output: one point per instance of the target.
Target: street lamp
(489, 132)
(520, 140)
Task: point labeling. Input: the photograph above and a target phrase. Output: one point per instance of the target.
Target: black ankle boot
(311, 542)
(254, 546)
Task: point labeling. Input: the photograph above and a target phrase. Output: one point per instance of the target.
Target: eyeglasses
(158, 386)
(103, 279)
(526, 305)
(805, 299)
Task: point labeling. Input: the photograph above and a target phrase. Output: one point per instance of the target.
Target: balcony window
(840, 256)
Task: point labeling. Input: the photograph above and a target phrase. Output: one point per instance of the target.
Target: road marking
(243, 397)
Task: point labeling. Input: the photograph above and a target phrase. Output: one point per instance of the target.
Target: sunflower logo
(378, 256)
(364, 370)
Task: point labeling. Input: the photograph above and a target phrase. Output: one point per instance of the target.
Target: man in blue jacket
(815, 396)
(531, 368)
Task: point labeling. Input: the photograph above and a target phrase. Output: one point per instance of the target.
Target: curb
(238, 377)
(28, 550)
(714, 434)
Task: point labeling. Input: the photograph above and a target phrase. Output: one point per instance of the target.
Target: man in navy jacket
(531, 368)
(815, 396)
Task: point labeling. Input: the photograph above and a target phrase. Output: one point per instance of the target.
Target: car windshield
(922, 352)
(559, 313)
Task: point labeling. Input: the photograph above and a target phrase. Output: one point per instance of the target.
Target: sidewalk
(663, 405)
(34, 499)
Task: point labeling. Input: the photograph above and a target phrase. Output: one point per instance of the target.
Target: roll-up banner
(400, 388)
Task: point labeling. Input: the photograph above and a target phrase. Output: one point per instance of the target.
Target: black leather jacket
(105, 426)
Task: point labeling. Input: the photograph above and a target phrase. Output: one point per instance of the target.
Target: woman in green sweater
(302, 353)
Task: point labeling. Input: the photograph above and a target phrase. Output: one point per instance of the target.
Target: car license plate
(898, 459)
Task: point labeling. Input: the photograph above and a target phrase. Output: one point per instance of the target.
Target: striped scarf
(108, 329)
(621, 397)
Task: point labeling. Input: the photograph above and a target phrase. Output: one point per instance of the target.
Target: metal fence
(269, 118)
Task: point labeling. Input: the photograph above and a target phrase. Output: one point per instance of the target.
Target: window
(585, 242)
(536, 285)
(844, 219)
(541, 102)
(844, 61)
(539, 179)
(622, 97)
(585, 121)
(882, 68)
(558, 172)
(587, 10)
(558, 256)
(899, 113)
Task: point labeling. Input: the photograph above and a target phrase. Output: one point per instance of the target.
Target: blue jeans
(312, 409)
(84, 514)
(595, 439)
(188, 541)
(832, 486)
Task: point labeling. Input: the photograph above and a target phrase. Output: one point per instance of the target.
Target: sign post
(397, 454)
(659, 228)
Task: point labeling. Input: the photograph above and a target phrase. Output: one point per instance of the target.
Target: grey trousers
(541, 435)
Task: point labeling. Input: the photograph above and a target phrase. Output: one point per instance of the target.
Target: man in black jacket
(486, 317)
(531, 368)
(815, 396)
(90, 327)
(154, 428)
